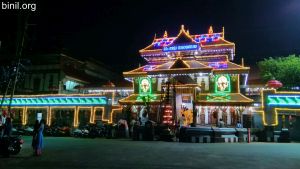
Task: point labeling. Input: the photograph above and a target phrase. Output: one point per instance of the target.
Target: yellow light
(22, 108)
(76, 111)
(210, 30)
(113, 98)
(83, 107)
(92, 116)
(112, 112)
(102, 116)
(50, 116)
(75, 119)
(283, 109)
(275, 110)
(263, 117)
(40, 107)
(182, 30)
(23, 113)
(238, 82)
(25, 116)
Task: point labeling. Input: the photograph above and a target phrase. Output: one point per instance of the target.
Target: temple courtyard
(71, 153)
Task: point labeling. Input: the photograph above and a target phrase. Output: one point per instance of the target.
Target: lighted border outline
(276, 109)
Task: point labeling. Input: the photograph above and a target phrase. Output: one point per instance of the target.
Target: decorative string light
(276, 101)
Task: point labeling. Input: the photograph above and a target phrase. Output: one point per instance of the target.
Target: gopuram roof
(205, 44)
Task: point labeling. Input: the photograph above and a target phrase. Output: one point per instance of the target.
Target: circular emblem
(222, 83)
(145, 86)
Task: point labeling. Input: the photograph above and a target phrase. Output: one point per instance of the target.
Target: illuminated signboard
(222, 83)
(145, 86)
(181, 47)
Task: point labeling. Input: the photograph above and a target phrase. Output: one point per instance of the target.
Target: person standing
(239, 125)
(2, 123)
(182, 120)
(8, 126)
(221, 123)
(40, 139)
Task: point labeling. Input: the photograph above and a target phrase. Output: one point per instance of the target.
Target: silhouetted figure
(221, 123)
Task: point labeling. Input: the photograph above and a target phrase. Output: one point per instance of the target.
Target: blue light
(181, 47)
(57, 101)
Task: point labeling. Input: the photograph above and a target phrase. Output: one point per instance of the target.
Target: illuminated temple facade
(192, 75)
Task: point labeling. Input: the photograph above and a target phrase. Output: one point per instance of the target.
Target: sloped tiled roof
(188, 66)
(179, 67)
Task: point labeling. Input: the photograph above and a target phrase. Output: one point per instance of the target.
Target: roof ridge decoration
(153, 39)
(182, 31)
(165, 34)
(210, 30)
(162, 47)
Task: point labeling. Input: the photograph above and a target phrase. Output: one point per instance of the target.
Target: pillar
(206, 115)
(228, 116)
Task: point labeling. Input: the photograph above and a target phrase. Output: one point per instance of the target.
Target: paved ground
(73, 153)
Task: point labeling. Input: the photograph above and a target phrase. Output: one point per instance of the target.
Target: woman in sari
(39, 138)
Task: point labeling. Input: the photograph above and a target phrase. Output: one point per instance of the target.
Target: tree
(284, 69)
(10, 75)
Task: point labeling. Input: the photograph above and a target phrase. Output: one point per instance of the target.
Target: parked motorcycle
(11, 145)
(89, 131)
(57, 131)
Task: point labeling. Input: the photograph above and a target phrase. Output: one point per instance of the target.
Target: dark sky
(113, 31)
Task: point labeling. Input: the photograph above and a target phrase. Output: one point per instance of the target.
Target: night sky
(113, 31)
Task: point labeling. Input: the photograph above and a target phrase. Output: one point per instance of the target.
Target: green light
(222, 84)
(271, 100)
(287, 100)
(281, 100)
(218, 97)
(290, 100)
(145, 86)
(146, 98)
(57, 101)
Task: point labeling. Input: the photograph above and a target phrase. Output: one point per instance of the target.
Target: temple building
(190, 75)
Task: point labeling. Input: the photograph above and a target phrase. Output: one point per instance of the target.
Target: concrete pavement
(73, 153)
